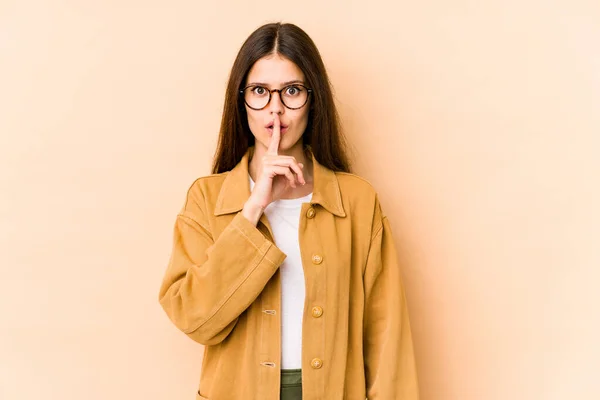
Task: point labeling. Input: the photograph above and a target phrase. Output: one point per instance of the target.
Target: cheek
(302, 119)
(252, 121)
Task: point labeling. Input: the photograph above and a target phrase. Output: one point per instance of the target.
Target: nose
(275, 105)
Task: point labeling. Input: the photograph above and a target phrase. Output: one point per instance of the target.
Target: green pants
(291, 384)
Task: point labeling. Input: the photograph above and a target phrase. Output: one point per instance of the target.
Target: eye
(259, 91)
(293, 90)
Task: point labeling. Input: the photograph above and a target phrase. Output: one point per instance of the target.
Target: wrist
(252, 212)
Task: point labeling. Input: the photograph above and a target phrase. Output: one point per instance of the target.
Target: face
(276, 72)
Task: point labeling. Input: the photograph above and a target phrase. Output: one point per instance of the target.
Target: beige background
(477, 122)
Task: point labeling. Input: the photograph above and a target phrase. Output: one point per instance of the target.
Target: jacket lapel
(236, 188)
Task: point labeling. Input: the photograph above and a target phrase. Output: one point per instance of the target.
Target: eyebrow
(283, 84)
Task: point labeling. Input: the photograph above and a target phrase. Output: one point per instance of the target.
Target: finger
(291, 163)
(275, 137)
(285, 171)
(298, 170)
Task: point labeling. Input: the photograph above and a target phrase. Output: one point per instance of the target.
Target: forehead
(274, 70)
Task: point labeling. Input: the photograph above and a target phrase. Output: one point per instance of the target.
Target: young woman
(283, 263)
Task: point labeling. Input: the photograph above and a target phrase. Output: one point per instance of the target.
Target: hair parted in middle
(323, 132)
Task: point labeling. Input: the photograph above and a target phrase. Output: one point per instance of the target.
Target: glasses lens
(294, 96)
(256, 96)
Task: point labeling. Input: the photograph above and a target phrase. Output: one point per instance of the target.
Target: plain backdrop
(477, 122)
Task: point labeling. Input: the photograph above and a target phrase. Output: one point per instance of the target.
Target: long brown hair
(323, 132)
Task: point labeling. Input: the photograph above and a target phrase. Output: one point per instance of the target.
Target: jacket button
(317, 259)
(316, 363)
(317, 311)
(310, 213)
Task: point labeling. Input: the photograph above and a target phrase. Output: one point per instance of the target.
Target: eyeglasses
(292, 96)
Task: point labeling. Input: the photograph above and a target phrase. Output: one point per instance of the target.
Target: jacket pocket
(200, 397)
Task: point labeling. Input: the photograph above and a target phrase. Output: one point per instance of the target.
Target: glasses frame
(309, 92)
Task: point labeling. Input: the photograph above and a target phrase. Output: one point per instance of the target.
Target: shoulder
(359, 196)
(208, 183)
(204, 191)
(353, 186)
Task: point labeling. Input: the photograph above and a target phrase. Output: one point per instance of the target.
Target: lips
(283, 127)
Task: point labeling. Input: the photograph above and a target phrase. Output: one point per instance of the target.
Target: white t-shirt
(284, 218)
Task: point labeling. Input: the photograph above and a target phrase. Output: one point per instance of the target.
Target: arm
(209, 283)
(390, 369)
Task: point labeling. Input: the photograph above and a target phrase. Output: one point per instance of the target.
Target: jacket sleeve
(390, 369)
(209, 283)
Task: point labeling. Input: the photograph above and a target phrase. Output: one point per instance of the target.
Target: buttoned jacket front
(222, 288)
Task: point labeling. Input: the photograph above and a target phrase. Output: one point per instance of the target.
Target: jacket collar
(236, 188)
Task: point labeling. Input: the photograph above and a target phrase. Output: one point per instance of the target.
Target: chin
(284, 145)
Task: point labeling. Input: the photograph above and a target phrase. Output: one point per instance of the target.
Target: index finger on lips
(275, 137)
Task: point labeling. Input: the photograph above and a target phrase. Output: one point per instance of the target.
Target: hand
(276, 176)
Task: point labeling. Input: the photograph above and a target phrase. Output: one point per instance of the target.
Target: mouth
(283, 128)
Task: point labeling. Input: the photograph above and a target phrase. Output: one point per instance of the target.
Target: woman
(283, 264)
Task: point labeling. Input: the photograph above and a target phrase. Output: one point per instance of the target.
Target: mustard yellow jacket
(222, 289)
